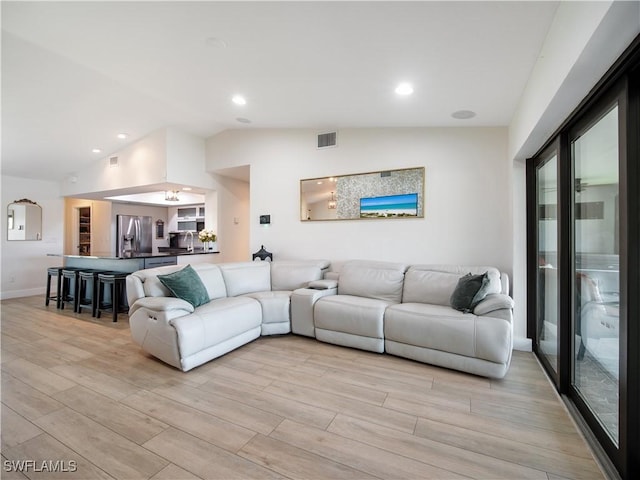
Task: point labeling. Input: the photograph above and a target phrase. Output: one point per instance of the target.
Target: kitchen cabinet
(153, 262)
(84, 231)
(191, 212)
(186, 218)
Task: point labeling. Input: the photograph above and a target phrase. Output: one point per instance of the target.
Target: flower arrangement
(207, 236)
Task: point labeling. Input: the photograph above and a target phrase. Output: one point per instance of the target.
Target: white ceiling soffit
(74, 74)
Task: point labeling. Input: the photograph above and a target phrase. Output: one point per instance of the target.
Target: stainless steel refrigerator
(133, 235)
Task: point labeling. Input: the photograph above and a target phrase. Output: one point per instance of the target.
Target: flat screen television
(404, 205)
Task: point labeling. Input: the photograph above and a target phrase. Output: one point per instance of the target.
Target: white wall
(467, 193)
(232, 222)
(25, 263)
(584, 40)
(186, 159)
(143, 163)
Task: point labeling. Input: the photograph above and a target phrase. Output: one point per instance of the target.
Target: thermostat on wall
(265, 219)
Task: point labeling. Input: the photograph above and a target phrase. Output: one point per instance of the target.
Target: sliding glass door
(596, 268)
(547, 260)
(583, 262)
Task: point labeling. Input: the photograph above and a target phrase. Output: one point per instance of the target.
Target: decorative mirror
(24, 220)
(375, 195)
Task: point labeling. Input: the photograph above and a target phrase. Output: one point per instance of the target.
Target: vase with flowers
(207, 237)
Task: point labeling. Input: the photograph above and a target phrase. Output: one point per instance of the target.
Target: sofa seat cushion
(351, 314)
(216, 322)
(275, 305)
(439, 327)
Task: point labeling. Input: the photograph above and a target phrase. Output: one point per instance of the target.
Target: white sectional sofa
(405, 311)
(377, 306)
(247, 300)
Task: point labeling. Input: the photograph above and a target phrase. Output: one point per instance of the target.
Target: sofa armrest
(323, 284)
(166, 308)
(493, 302)
(302, 302)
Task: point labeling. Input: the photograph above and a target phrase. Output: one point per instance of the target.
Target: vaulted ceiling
(75, 74)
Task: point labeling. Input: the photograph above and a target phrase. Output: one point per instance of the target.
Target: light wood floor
(78, 391)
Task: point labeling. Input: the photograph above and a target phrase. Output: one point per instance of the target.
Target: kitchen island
(138, 261)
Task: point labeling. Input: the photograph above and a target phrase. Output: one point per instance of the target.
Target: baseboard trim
(29, 292)
(522, 344)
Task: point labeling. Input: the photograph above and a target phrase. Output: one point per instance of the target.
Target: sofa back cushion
(434, 284)
(246, 277)
(371, 279)
(152, 287)
(211, 276)
(289, 275)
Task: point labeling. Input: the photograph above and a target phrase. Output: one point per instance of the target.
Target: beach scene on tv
(405, 205)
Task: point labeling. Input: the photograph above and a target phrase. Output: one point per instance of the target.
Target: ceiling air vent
(113, 161)
(326, 140)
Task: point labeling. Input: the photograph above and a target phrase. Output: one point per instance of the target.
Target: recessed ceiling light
(404, 89)
(463, 114)
(243, 120)
(96, 150)
(239, 100)
(122, 136)
(187, 189)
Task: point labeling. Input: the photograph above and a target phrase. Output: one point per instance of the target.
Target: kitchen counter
(134, 262)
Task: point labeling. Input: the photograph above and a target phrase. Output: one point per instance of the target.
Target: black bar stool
(88, 290)
(54, 272)
(70, 286)
(115, 281)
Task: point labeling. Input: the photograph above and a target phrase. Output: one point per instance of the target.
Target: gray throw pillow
(187, 285)
(470, 290)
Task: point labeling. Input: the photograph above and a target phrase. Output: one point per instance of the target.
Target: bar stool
(115, 281)
(88, 290)
(70, 286)
(54, 272)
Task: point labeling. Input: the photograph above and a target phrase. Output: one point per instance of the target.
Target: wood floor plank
(345, 389)
(294, 462)
(240, 375)
(37, 377)
(204, 459)
(9, 473)
(508, 450)
(105, 384)
(337, 403)
(558, 421)
(569, 443)
(174, 472)
(284, 406)
(237, 413)
(125, 421)
(372, 460)
(428, 451)
(378, 371)
(109, 451)
(212, 429)
(26, 400)
(46, 449)
(15, 428)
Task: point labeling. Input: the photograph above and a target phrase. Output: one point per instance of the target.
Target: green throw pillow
(469, 292)
(187, 285)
